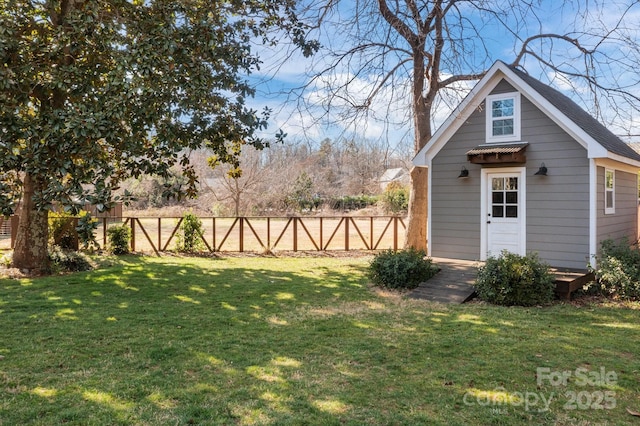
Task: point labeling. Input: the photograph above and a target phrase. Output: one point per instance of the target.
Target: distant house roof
(390, 175)
(599, 141)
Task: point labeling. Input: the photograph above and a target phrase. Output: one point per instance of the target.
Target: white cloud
(388, 116)
(281, 64)
(569, 86)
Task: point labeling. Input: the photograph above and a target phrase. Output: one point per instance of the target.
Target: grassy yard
(252, 340)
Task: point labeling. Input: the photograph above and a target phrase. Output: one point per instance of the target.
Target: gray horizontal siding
(455, 217)
(455, 203)
(571, 237)
(624, 222)
(557, 204)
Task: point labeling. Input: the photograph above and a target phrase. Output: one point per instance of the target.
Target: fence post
(371, 232)
(213, 224)
(321, 242)
(133, 234)
(268, 233)
(346, 233)
(395, 233)
(159, 234)
(295, 234)
(241, 234)
(104, 232)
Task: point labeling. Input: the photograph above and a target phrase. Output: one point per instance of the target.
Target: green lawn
(178, 341)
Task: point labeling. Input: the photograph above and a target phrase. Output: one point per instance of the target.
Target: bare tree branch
(397, 23)
(414, 54)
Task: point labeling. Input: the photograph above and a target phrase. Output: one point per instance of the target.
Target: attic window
(503, 117)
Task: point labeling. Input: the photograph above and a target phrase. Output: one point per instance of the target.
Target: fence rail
(260, 234)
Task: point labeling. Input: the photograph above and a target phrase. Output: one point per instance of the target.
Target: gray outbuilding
(519, 166)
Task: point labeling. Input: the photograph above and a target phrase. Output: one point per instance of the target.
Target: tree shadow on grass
(244, 341)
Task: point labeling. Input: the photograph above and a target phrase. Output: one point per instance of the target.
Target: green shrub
(618, 272)
(395, 198)
(403, 269)
(6, 260)
(119, 237)
(62, 233)
(352, 202)
(68, 261)
(190, 235)
(86, 229)
(511, 279)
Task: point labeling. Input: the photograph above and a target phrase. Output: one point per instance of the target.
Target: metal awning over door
(497, 154)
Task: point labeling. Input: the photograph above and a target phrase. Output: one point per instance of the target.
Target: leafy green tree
(93, 92)
(301, 196)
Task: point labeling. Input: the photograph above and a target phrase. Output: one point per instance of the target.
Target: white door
(505, 213)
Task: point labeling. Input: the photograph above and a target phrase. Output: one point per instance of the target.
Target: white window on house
(609, 192)
(503, 117)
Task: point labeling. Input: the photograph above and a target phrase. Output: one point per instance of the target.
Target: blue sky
(281, 73)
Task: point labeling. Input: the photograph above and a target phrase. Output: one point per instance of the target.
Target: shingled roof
(584, 120)
(599, 141)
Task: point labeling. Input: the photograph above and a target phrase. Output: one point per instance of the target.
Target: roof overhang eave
(618, 159)
(420, 160)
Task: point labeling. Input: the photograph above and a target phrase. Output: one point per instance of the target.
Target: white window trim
(516, 118)
(612, 209)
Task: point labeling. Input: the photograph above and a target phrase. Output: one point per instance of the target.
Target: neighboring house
(542, 176)
(398, 174)
(114, 212)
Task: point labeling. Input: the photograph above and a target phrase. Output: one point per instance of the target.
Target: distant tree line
(290, 178)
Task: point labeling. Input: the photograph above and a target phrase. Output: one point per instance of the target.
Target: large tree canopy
(421, 55)
(95, 91)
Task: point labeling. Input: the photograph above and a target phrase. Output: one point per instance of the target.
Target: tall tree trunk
(30, 252)
(416, 234)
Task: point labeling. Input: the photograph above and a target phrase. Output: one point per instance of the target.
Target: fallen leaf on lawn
(633, 413)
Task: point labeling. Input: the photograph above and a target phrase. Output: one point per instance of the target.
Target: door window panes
(504, 197)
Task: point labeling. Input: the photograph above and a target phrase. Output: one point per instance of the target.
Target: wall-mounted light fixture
(542, 171)
(464, 173)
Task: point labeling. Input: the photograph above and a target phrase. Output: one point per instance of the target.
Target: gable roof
(579, 116)
(599, 141)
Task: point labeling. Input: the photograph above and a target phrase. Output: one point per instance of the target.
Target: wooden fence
(261, 234)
